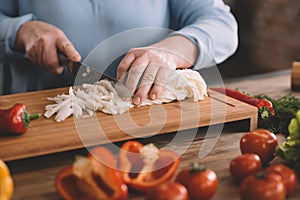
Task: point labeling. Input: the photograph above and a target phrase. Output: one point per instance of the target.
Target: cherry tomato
(201, 183)
(261, 142)
(168, 191)
(287, 174)
(265, 186)
(244, 165)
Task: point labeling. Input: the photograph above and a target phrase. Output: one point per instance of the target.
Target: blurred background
(269, 37)
(0, 78)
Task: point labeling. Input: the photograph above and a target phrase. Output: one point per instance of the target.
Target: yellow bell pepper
(6, 182)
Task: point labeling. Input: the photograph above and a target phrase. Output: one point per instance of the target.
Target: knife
(90, 74)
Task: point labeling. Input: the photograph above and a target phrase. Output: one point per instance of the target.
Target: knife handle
(62, 59)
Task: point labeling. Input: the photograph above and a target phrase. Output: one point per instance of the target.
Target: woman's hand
(41, 42)
(149, 68)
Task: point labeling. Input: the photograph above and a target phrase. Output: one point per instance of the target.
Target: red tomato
(287, 174)
(168, 191)
(244, 165)
(261, 142)
(200, 182)
(266, 186)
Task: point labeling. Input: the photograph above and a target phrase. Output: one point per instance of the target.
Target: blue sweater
(87, 23)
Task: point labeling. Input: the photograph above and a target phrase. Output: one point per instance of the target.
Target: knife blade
(88, 72)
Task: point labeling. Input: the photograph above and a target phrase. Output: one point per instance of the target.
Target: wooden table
(34, 177)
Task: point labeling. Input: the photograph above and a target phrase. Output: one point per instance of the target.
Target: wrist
(181, 46)
(19, 42)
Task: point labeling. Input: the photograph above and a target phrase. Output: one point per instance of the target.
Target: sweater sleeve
(9, 26)
(208, 23)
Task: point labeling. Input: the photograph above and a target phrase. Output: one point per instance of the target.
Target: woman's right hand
(41, 42)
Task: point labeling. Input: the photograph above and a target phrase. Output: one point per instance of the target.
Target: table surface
(34, 177)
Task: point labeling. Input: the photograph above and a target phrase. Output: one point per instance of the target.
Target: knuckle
(59, 32)
(142, 91)
(160, 83)
(64, 45)
(132, 50)
(41, 41)
(137, 70)
(121, 69)
(148, 78)
(52, 64)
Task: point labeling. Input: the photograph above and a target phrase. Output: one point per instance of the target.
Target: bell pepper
(6, 182)
(16, 119)
(92, 177)
(265, 107)
(144, 167)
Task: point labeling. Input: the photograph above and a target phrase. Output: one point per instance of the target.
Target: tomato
(168, 191)
(261, 142)
(287, 174)
(263, 186)
(201, 183)
(244, 165)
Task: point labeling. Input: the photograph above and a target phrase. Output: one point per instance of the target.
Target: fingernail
(77, 57)
(59, 70)
(137, 100)
(153, 96)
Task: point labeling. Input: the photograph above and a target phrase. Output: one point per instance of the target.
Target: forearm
(211, 24)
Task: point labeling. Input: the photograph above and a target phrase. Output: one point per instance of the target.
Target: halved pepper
(92, 177)
(144, 167)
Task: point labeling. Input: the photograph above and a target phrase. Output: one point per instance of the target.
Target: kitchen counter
(34, 177)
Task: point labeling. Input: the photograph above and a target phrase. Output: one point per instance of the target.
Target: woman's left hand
(150, 67)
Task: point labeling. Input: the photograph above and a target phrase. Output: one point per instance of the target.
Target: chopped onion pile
(102, 96)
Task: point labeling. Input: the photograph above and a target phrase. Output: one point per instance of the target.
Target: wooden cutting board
(45, 136)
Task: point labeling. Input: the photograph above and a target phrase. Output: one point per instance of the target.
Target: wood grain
(34, 177)
(35, 180)
(46, 136)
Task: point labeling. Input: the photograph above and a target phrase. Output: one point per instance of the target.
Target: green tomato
(294, 128)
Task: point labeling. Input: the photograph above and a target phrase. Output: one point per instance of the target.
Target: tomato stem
(260, 175)
(196, 168)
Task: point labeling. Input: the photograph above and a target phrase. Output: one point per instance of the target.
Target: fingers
(153, 82)
(51, 61)
(125, 65)
(64, 46)
(50, 57)
(148, 70)
(161, 79)
(146, 84)
(136, 72)
(42, 41)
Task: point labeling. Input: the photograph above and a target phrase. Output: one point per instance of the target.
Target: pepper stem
(27, 118)
(264, 113)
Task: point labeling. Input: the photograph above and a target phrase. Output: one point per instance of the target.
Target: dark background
(269, 36)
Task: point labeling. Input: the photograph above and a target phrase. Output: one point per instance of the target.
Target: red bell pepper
(265, 107)
(142, 169)
(92, 177)
(16, 119)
